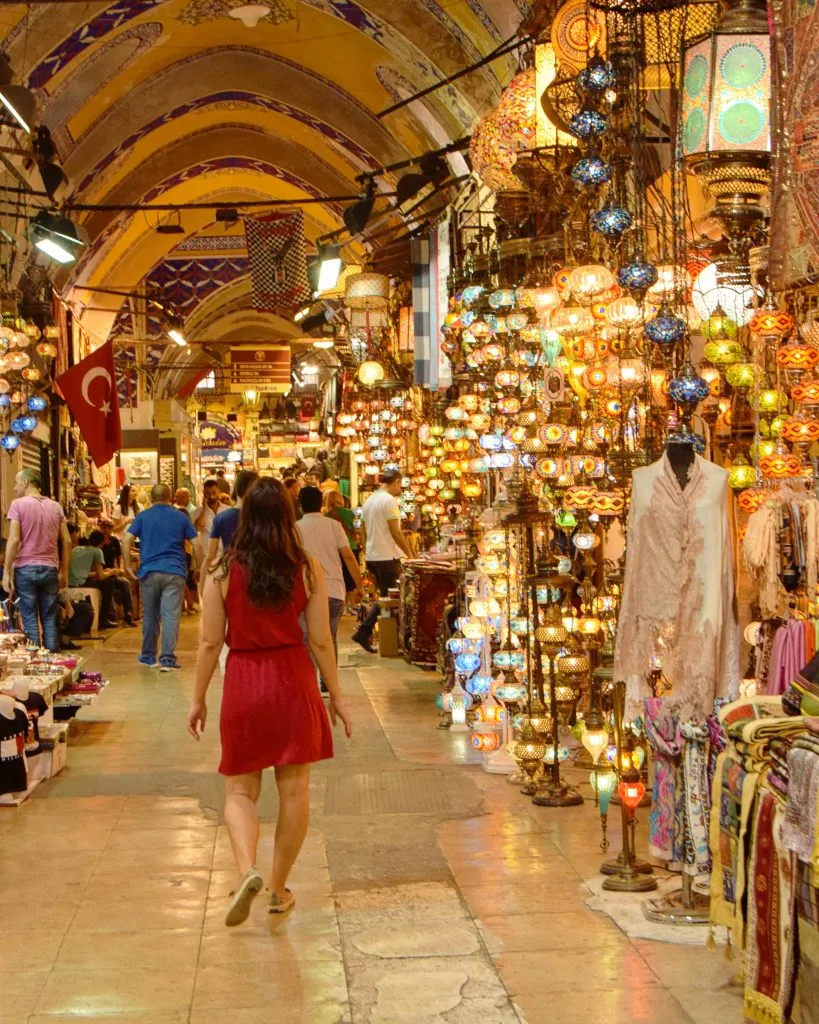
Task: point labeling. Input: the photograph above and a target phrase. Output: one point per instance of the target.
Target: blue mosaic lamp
(612, 220)
(588, 124)
(591, 171)
(665, 329)
(23, 424)
(688, 389)
(598, 75)
(9, 442)
(682, 435)
(637, 276)
(37, 403)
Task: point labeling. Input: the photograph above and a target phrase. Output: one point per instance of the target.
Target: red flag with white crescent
(90, 391)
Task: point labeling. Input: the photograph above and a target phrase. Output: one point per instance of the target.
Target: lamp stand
(683, 906)
(629, 874)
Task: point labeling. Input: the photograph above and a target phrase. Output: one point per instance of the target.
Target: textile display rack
(39, 693)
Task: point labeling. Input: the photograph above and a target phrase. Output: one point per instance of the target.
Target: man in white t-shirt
(383, 545)
(327, 542)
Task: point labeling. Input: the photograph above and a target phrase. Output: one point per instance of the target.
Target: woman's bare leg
(293, 784)
(242, 818)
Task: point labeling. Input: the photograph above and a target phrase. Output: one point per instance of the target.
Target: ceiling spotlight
(55, 236)
(323, 343)
(227, 215)
(357, 216)
(302, 313)
(53, 177)
(20, 103)
(310, 323)
(171, 226)
(175, 329)
(330, 266)
(433, 170)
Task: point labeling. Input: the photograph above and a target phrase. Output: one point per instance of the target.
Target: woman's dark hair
(267, 544)
(124, 499)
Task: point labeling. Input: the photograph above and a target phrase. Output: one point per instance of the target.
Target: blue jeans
(162, 594)
(37, 588)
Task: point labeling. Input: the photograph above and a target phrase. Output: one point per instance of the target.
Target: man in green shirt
(87, 569)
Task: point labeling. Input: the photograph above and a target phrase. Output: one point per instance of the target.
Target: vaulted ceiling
(178, 101)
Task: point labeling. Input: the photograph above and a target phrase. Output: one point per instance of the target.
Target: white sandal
(249, 888)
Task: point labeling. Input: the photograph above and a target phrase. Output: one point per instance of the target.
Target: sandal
(281, 904)
(242, 898)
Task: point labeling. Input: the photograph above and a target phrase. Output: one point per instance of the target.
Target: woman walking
(272, 712)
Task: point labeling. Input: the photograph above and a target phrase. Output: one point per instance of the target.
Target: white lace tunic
(678, 595)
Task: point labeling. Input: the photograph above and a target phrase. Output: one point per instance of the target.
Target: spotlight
(20, 103)
(175, 329)
(323, 343)
(227, 215)
(171, 226)
(357, 216)
(302, 313)
(432, 171)
(53, 177)
(329, 267)
(311, 323)
(55, 236)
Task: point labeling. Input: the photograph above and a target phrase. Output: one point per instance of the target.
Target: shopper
(226, 522)
(272, 714)
(327, 542)
(335, 505)
(384, 545)
(203, 522)
(222, 482)
(87, 569)
(162, 531)
(35, 566)
(111, 546)
(190, 602)
(125, 510)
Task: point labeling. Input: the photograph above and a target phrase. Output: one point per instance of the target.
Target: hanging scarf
(664, 831)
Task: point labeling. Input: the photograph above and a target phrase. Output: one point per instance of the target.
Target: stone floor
(427, 890)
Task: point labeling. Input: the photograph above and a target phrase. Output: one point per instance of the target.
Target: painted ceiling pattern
(132, 91)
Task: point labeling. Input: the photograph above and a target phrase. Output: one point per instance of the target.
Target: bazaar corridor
(427, 890)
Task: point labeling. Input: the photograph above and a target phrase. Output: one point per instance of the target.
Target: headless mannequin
(681, 457)
(20, 689)
(8, 706)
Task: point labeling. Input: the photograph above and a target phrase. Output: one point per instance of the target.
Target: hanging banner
(442, 266)
(278, 261)
(265, 369)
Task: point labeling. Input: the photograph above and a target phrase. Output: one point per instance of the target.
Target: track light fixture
(357, 216)
(55, 236)
(20, 105)
(175, 329)
(330, 266)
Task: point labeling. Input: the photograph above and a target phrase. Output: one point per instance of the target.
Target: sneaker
(170, 668)
(242, 898)
(364, 642)
(109, 625)
(130, 623)
(148, 664)
(281, 904)
(69, 645)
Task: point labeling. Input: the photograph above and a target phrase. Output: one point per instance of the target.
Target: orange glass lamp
(796, 356)
(806, 392)
(771, 321)
(631, 790)
(800, 430)
(781, 464)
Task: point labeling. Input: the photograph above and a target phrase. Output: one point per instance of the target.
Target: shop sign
(263, 369)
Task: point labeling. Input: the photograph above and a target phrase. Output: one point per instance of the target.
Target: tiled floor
(113, 880)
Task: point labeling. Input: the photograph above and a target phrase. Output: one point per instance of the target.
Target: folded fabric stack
(753, 883)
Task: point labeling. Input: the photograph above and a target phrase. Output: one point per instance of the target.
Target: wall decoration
(140, 467)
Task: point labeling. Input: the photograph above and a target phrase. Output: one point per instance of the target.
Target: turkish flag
(90, 391)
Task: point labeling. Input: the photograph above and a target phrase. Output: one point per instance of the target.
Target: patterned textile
(771, 931)
(802, 696)
(421, 250)
(799, 831)
(278, 261)
(717, 739)
(665, 838)
(696, 799)
(734, 791)
(807, 894)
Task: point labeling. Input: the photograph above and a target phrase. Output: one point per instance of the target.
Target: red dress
(272, 711)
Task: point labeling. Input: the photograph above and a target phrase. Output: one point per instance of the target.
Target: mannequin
(7, 706)
(13, 731)
(681, 456)
(21, 689)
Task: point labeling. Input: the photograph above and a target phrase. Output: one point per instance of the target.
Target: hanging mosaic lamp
(612, 220)
(665, 329)
(741, 474)
(591, 171)
(638, 276)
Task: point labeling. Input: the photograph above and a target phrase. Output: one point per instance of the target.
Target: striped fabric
(430, 270)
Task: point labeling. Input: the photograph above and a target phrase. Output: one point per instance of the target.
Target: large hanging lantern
(725, 115)
(367, 291)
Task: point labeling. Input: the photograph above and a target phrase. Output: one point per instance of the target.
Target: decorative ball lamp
(725, 116)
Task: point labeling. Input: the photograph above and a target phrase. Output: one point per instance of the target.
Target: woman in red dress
(267, 599)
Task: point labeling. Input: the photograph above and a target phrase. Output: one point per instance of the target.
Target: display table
(48, 690)
(427, 586)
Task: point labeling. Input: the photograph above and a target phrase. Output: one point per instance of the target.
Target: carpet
(626, 910)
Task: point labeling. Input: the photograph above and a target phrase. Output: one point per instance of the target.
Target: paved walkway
(427, 890)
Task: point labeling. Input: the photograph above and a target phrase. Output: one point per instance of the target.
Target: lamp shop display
(598, 332)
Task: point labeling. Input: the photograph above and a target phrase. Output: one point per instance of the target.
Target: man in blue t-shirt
(226, 523)
(162, 531)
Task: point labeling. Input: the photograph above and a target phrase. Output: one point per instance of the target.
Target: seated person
(87, 569)
(74, 619)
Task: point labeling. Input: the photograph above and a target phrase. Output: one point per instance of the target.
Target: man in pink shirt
(39, 569)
